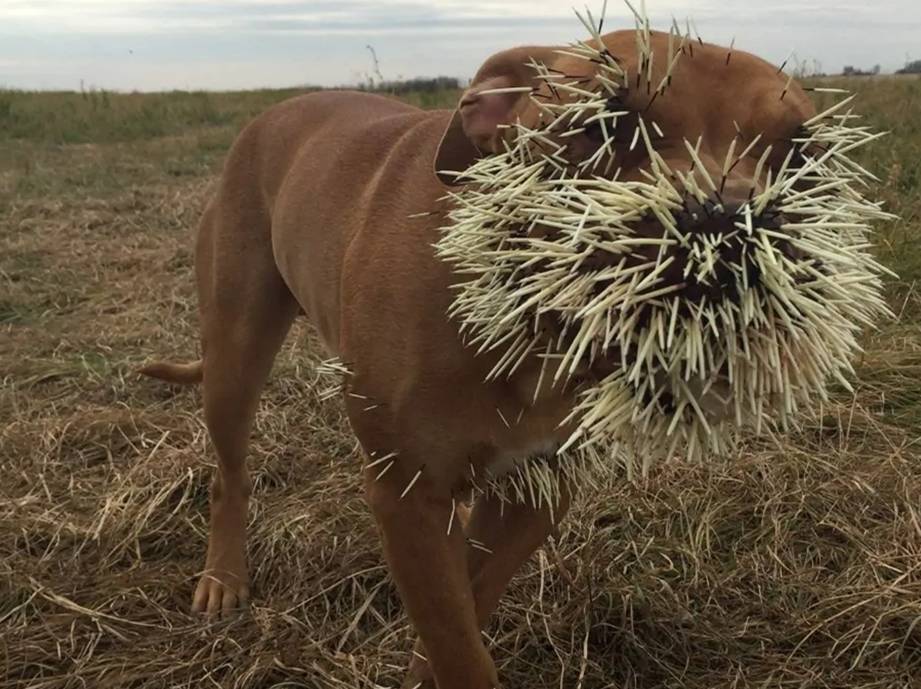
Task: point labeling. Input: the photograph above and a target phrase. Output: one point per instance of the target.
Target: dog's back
(300, 182)
(322, 168)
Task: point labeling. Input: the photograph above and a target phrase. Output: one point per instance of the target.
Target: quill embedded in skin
(700, 332)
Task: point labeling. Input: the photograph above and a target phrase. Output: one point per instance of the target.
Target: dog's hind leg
(246, 312)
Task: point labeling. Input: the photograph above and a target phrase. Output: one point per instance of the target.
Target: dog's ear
(477, 125)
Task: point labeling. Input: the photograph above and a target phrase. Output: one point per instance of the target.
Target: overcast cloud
(211, 44)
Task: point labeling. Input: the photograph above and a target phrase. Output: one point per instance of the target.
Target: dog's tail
(183, 374)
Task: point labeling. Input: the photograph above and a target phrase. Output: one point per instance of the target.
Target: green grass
(892, 104)
(103, 117)
(69, 144)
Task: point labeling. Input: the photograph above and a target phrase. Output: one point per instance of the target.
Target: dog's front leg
(429, 567)
(501, 538)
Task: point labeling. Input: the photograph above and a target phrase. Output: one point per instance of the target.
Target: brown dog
(329, 204)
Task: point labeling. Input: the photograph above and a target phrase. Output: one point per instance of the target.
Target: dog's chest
(506, 461)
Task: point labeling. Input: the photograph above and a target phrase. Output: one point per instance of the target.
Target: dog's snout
(709, 217)
(722, 215)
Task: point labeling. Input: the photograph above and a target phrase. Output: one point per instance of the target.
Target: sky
(150, 45)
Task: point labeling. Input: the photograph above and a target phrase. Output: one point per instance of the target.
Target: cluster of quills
(698, 332)
(707, 330)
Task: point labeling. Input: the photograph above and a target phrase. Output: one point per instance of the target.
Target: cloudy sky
(222, 44)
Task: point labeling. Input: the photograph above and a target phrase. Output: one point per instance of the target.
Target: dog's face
(714, 95)
(669, 223)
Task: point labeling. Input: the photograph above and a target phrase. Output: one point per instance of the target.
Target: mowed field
(797, 565)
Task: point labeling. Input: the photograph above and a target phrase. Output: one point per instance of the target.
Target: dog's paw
(419, 675)
(220, 592)
(413, 683)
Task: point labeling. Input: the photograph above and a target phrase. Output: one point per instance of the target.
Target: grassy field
(797, 566)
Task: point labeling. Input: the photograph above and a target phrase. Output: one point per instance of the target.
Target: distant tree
(375, 81)
(417, 85)
(911, 68)
(851, 71)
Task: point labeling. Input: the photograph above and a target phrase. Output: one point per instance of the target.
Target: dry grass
(797, 566)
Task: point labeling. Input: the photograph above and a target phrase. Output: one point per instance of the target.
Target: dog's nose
(713, 217)
(728, 226)
(708, 217)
